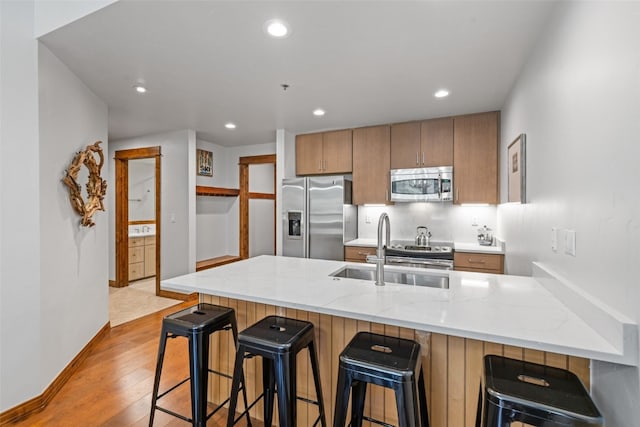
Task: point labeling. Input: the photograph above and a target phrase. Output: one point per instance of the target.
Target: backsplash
(445, 221)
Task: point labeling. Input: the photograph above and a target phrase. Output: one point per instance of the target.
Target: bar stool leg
(422, 395)
(268, 388)
(234, 331)
(199, 367)
(358, 396)
(316, 379)
(342, 398)
(238, 375)
(407, 402)
(156, 382)
(286, 383)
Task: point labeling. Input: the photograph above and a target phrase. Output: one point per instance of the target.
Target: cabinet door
(371, 161)
(149, 260)
(475, 158)
(309, 154)
(405, 146)
(436, 137)
(358, 253)
(337, 151)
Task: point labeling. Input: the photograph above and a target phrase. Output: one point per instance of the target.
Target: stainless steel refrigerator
(318, 217)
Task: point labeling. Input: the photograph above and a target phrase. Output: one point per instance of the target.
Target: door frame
(245, 195)
(122, 158)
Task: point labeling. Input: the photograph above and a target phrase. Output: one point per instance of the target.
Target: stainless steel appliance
(318, 217)
(422, 185)
(423, 235)
(438, 255)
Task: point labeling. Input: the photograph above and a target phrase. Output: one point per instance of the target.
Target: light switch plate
(554, 239)
(570, 242)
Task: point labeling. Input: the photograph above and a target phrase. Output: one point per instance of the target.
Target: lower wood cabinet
(142, 257)
(358, 253)
(480, 263)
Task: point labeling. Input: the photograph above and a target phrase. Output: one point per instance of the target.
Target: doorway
(145, 207)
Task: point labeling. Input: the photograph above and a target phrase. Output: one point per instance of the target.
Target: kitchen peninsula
(479, 314)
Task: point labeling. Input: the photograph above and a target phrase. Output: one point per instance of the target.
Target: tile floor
(136, 300)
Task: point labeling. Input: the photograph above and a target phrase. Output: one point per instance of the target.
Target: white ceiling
(206, 63)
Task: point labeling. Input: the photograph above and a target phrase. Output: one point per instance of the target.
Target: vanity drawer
(486, 263)
(136, 241)
(136, 271)
(150, 240)
(358, 253)
(136, 254)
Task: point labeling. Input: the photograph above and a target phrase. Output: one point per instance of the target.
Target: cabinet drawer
(478, 262)
(150, 240)
(136, 254)
(358, 253)
(136, 241)
(136, 270)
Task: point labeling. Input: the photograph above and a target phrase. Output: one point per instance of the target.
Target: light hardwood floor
(112, 387)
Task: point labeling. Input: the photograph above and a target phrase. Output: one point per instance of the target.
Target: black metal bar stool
(539, 395)
(388, 362)
(277, 340)
(196, 323)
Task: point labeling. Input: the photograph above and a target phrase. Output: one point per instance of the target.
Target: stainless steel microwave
(422, 185)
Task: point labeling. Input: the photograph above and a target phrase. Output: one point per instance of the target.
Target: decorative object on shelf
(516, 158)
(92, 159)
(205, 162)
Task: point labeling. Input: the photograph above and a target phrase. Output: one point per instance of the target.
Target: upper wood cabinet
(371, 164)
(475, 158)
(422, 144)
(324, 153)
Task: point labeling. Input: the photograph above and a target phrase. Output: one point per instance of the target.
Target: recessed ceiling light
(441, 93)
(230, 126)
(276, 28)
(139, 88)
(318, 112)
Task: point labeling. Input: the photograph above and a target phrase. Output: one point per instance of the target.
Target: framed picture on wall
(516, 167)
(205, 162)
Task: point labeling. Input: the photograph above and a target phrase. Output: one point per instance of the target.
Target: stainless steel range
(437, 255)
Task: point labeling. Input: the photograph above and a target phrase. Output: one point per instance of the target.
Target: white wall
(142, 186)
(20, 350)
(176, 207)
(53, 14)
(74, 269)
(578, 101)
(52, 273)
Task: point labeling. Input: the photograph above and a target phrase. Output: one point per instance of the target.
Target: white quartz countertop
(498, 248)
(363, 243)
(142, 234)
(511, 310)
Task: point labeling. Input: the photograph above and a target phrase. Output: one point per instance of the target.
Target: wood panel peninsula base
(452, 365)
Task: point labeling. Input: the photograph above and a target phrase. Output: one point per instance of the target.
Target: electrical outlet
(570, 242)
(172, 217)
(554, 239)
(367, 219)
(474, 221)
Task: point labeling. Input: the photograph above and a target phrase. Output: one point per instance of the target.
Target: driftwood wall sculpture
(96, 186)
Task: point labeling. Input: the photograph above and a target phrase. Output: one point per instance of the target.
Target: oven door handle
(404, 260)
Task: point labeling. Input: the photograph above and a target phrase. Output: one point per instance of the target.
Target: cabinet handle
(320, 163)
(457, 194)
(364, 253)
(423, 158)
(325, 165)
(417, 159)
(472, 261)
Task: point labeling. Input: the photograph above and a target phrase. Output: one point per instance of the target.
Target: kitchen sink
(394, 276)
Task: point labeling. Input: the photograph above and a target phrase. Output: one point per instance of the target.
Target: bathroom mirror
(142, 186)
(86, 187)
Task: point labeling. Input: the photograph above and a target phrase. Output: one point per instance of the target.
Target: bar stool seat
(388, 362)
(196, 323)
(277, 340)
(514, 390)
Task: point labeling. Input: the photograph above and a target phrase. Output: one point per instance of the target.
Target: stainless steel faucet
(380, 252)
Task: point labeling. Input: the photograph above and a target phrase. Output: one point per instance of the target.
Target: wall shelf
(215, 262)
(202, 190)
